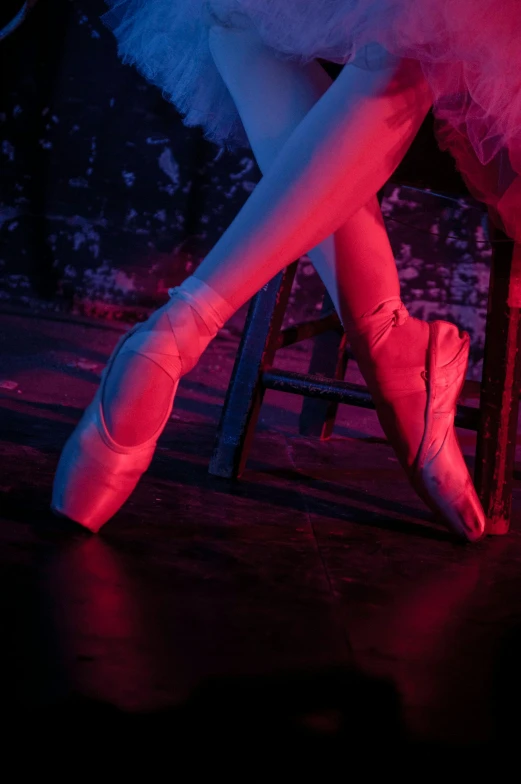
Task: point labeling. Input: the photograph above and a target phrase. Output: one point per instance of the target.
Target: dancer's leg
(394, 361)
(332, 164)
(402, 366)
(272, 97)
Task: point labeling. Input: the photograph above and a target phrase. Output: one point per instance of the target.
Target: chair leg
(329, 359)
(501, 383)
(246, 391)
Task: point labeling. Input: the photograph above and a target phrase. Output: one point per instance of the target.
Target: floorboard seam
(336, 600)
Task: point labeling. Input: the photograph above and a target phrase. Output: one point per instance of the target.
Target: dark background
(107, 200)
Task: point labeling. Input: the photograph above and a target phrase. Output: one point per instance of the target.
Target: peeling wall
(107, 200)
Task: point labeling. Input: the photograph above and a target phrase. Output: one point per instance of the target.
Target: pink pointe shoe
(95, 475)
(438, 473)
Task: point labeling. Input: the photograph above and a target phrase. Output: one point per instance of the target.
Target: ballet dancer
(247, 72)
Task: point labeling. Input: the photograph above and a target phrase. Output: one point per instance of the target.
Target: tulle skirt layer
(469, 50)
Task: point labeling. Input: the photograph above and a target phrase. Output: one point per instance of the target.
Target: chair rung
(317, 387)
(343, 392)
(308, 329)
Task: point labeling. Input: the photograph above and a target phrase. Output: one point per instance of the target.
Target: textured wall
(106, 199)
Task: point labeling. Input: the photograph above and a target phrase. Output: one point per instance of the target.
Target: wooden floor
(314, 595)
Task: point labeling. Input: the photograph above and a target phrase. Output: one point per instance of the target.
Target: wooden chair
(323, 388)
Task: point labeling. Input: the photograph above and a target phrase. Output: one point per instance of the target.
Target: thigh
(246, 62)
(383, 108)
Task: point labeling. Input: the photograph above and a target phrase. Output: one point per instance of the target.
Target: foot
(115, 440)
(415, 372)
(139, 390)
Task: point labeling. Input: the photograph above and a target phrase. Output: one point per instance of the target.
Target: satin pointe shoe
(438, 472)
(95, 475)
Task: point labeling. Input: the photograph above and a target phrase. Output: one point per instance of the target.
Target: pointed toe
(440, 473)
(95, 477)
(455, 504)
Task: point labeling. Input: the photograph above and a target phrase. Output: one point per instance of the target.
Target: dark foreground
(311, 609)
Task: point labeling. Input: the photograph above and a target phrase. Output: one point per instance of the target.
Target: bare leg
(273, 96)
(333, 163)
(330, 166)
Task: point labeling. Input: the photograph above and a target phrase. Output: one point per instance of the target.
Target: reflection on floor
(313, 599)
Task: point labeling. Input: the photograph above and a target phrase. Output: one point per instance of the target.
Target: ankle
(209, 305)
(388, 335)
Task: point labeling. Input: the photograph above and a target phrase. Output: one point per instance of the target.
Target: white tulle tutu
(469, 50)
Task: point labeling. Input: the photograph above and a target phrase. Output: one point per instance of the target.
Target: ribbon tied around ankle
(374, 325)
